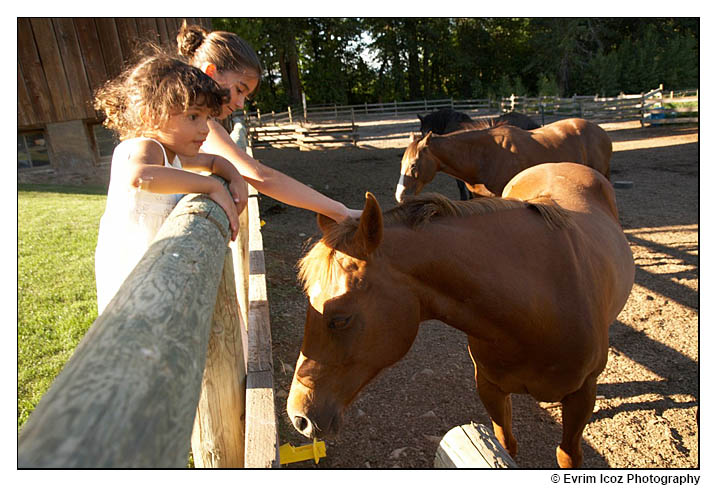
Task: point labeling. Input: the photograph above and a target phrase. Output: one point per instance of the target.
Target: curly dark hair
(145, 95)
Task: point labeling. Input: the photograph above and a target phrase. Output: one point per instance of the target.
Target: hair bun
(189, 39)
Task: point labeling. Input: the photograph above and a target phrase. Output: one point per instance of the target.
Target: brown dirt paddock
(647, 412)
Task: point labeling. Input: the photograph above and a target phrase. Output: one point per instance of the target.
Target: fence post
(304, 105)
(289, 111)
(643, 109)
(396, 111)
(218, 435)
(426, 107)
(366, 108)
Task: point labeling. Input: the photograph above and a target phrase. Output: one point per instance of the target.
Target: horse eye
(339, 323)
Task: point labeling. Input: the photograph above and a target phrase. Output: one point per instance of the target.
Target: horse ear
(421, 119)
(425, 139)
(371, 226)
(325, 223)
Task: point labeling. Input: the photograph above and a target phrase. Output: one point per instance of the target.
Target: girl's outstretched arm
(271, 182)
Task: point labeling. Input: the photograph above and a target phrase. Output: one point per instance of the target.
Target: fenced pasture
(646, 413)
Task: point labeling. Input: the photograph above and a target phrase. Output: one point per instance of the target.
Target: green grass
(57, 302)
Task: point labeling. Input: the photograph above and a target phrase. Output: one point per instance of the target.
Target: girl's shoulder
(143, 148)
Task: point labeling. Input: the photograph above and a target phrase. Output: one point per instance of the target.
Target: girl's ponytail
(189, 39)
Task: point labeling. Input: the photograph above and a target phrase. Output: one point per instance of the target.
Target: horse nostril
(300, 423)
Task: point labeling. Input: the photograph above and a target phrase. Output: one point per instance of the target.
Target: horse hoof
(566, 461)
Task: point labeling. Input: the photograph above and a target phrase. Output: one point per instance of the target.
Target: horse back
(590, 198)
(595, 145)
(573, 186)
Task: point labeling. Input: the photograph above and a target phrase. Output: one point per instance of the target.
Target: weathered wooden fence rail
(621, 107)
(181, 355)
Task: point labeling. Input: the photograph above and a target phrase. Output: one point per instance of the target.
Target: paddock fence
(179, 361)
(282, 129)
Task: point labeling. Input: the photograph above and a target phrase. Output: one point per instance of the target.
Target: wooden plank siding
(54, 70)
(25, 112)
(33, 75)
(80, 93)
(62, 61)
(110, 46)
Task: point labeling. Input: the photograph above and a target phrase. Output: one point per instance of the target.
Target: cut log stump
(472, 446)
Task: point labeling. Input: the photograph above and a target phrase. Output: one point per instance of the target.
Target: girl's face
(240, 86)
(184, 132)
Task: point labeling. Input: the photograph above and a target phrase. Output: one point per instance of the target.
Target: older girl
(230, 61)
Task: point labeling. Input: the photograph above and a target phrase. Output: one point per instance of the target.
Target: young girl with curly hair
(161, 109)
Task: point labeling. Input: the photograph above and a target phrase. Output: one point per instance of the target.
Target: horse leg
(498, 405)
(463, 191)
(576, 409)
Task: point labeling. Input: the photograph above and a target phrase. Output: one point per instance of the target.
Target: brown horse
(533, 279)
(486, 159)
(447, 120)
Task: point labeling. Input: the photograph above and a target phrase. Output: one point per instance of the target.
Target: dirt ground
(646, 415)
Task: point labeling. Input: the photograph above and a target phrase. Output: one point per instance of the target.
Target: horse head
(418, 167)
(359, 320)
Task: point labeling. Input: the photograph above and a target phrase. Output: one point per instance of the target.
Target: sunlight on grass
(57, 234)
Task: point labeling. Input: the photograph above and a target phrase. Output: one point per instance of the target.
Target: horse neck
(441, 294)
(459, 156)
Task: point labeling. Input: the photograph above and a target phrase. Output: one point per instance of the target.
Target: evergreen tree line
(357, 60)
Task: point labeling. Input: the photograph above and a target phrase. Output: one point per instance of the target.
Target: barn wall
(60, 63)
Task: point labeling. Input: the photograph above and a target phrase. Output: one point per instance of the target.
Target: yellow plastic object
(290, 454)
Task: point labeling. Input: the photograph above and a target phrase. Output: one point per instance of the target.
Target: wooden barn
(60, 63)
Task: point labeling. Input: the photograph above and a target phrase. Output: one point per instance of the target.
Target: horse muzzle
(407, 186)
(311, 418)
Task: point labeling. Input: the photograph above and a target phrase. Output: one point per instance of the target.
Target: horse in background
(447, 120)
(486, 159)
(534, 279)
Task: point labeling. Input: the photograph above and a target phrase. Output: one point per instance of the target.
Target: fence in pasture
(180, 357)
(654, 107)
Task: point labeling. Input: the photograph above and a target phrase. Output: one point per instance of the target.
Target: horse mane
(419, 210)
(483, 124)
(320, 265)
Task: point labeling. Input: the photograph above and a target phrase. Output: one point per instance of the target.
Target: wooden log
(471, 446)
(218, 435)
(128, 395)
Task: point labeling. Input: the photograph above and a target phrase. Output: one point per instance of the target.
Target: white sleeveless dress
(131, 220)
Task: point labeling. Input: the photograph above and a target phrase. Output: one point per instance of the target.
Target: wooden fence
(170, 363)
(622, 107)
